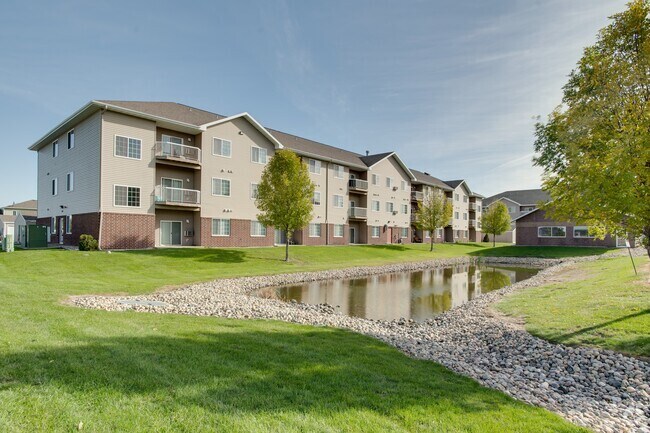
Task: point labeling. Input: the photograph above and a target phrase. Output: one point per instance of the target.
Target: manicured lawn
(135, 372)
(606, 306)
(544, 252)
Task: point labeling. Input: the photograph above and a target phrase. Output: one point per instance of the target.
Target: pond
(415, 295)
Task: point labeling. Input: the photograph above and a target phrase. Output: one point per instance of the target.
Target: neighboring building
(424, 185)
(518, 202)
(144, 174)
(8, 225)
(26, 208)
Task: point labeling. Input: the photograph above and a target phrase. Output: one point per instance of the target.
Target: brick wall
(87, 223)
(527, 229)
(127, 231)
(240, 235)
(339, 241)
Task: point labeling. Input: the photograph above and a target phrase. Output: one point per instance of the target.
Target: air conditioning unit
(188, 233)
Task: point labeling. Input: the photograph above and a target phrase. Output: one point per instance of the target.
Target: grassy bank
(61, 365)
(605, 306)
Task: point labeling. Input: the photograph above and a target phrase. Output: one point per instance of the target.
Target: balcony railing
(177, 196)
(414, 217)
(180, 152)
(472, 223)
(472, 207)
(417, 195)
(358, 212)
(358, 185)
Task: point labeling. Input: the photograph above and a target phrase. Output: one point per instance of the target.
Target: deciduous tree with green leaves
(496, 220)
(284, 194)
(434, 212)
(595, 147)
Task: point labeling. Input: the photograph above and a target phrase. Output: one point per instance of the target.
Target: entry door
(353, 238)
(280, 238)
(61, 229)
(170, 233)
(168, 142)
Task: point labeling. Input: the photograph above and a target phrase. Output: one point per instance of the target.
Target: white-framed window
(339, 229)
(258, 155)
(254, 189)
(55, 148)
(511, 209)
(338, 200)
(404, 232)
(465, 216)
(404, 184)
(171, 139)
(221, 187)
(314, 230)
(375, 179)
(456, 215)
(456, 196)
(551, 232)
(71, 139)
(464, 198)
(53, 225)
(439, 234)
(126, 196)
(69, 181)
(466, 233)
(339, 171)
(315, 200)
(220, 227)
(258, 229)
(581, 232)
(374, 231)
(389, 182)
(389, 206)
(55, 186)
(127, 147)
(68, 224)
(427, 234)
(375, 205)
(314, 166)
(221, 147)
(405, 209)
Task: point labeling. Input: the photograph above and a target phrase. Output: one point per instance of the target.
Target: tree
(594, 148)
(434, 212)
(496, 220)
(284, 195)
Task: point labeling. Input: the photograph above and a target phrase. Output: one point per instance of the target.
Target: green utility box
(8, 243)
(36, 236)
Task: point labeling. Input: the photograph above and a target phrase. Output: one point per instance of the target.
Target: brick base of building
(127, 231)
(82, 224)
(240, 235)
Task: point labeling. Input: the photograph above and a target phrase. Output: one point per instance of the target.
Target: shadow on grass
(212, 255)
(542, 252)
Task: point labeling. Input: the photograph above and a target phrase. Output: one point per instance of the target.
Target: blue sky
(453, 87)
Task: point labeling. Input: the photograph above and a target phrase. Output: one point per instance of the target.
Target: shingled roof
(169, 110)
(522, 197)
(427, 179)
(28, 204)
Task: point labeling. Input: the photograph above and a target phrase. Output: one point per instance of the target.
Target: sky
(453, 87)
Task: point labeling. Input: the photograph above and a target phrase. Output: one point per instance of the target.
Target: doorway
(61, 229)
(353, 237)
(170, 233)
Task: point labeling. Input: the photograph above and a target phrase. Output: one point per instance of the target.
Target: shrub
(88, 243)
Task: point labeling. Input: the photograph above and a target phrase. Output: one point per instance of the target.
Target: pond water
(412, 295)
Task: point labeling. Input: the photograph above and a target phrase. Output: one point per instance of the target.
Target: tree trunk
(494, 240)
(431, 247)
(646, 240)
(286, 245)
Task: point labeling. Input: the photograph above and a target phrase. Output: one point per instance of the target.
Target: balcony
(472, 223)
(358, 213)
(472, 207)
(414, 217)
(178, 153)
(358, 185)
(417, 195)
(167, 196)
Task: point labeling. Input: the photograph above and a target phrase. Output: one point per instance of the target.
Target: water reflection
(415, 295)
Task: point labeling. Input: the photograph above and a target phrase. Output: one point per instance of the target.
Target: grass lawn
(606, 306)
(136, 372)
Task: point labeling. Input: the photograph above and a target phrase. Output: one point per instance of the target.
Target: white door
(170, 233)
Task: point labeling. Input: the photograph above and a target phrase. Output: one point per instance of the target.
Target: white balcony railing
(166, 149)
(417, 195)
(472, 206)
(358, 184)
(180, 196)
(358, 212)
(472, 223)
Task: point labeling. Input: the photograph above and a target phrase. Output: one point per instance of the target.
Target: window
(69, 182)
(465, 216)
(511, 209)
(464, 199)
(171, 139)
(221, 187)
(456, 215)
(128, 147)
(456, 196)
(68, 224)
(258, 155)
(375, 206)
(338, 201)
(71, 139)
(220, 227)
(339, 171)
(581, 232)
(527, 208)
(55, 149)
(314, 166)
(314, 230)
(222, 147)
(551, 232)
(389, 182)
(439, 233)
(128, 196)
(405, 209)
(55, 186)
(257, 229)
(389, 206)
(254, 188)
(316, 198)
(53, 225)
(403, 185)
(466, 233)
(427, 234)
(375, 232)
(404, 233)
(338, 230)
(375, 179)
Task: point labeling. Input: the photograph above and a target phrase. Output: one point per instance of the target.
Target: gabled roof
(522, 197)
(371, 160)
(253, 122)
(28, 204)
(168, 110)
(526, 214)
(454, 183)
(427, 179)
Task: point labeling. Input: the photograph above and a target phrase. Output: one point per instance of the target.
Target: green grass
(606, 306)
(137, 372)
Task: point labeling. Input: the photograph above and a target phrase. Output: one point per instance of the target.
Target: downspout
(101, 214)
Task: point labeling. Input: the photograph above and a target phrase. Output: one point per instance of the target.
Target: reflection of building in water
(474, 282)
(459, 283)
(389, 296)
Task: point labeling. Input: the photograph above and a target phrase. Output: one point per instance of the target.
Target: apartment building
(143, 174)
(519, 203)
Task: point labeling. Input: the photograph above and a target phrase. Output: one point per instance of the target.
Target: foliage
(284, 195)
(496, 220)
(88, 243)
(594, 148)
(434, 212)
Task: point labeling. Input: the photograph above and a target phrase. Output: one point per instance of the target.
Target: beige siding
(82, 160)
(461, 206)
(338, 186)
(239, 169)
(124, 171)
(389, 168)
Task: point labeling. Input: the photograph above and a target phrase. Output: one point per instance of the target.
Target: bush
(88, 243)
